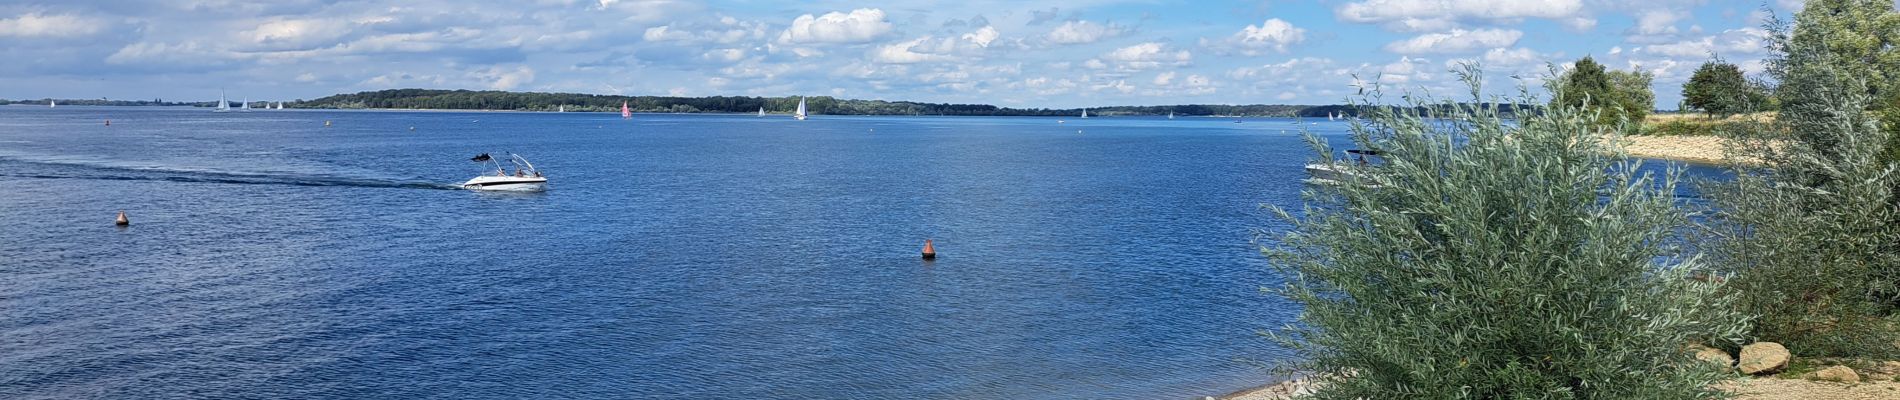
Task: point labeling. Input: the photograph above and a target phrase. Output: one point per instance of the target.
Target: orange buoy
(122, 221)
(930, 252)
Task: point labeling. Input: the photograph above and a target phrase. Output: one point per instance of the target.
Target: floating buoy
(930, 252)
(412, 129)
(122, 221)
(326, 123)
(108, 122)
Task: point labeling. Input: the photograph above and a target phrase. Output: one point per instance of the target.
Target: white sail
(562, 108)
(280, 105)
(247, 104)
(1085, 113)
(50, 103)
(761, 111)
(800, 115)
(222, 105)
(1170, 115)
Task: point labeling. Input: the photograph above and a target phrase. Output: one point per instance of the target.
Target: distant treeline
(107, 102)
(530, 101)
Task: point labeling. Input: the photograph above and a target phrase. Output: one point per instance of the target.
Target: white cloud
(41, 25)
(1147, 56)
(297, 34)
(724, 55)
(1164, 78)
(861, 25)
(982, 36)
(1456, 41)
(500, 78)
(1425, 15)
(900, 53)
(1734, 41)
(1273, 34)
(1080, 32)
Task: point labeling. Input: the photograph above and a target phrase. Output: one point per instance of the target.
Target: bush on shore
(1482, 260)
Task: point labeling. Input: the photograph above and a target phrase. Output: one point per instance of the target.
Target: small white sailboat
(280, 105)
(1085, 113)
(1329, 116)
(1170, 115)
(525, 179)
(562, 108)
(247, 105)
(51, 104)
(761, 111)
(800, 115)
(223, 106)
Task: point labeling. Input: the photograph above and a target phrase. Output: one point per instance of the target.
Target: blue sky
(1073, 53)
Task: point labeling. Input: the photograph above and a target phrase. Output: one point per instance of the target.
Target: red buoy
(122, 221)
(930, 252)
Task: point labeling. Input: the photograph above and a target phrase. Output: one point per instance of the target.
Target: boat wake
(39, 169)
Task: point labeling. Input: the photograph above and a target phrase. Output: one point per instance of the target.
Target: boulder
(1838, 373)
(1712, 355)
(1763, 358)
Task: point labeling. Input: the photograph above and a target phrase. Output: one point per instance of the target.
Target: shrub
(1809, 231)
(1492, 260)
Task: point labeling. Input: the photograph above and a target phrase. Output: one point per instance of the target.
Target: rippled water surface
(676, 255)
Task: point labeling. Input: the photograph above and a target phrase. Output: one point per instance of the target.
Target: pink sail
(625, 113)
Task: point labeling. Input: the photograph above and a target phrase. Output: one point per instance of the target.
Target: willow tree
(1495, 259)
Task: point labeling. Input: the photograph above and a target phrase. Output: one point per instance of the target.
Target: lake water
(676, 256)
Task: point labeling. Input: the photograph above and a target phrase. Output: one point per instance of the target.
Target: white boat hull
(506, 183)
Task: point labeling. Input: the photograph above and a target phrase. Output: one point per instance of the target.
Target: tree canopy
(1719, 88)
(1614, 95)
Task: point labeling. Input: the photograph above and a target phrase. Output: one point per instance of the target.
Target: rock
(1763, 358)
(1838, 373)
(1877, 377)
(1712, 355)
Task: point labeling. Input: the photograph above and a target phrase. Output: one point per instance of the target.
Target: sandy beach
(1693, 149)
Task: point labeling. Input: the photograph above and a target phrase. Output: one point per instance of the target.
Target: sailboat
(761, 111)
(562, 108)
(625, 113)
(223, 106)
(1329, 116)
(1085, 113)
(800, 114)
(1170, 115)
(247, 105)
(280, 105)
(50, 103)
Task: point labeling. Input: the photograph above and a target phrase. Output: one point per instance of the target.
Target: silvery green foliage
(1484, 260)
(1807, 227)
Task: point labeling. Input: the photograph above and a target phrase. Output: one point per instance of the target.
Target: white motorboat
(1340, 171)
(525, 178)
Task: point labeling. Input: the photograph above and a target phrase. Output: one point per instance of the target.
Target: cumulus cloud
(1430, 15)
(1080, 32)
(1734, 41)
(1274, 34)
(41, 25)
(296, 34)
(859, 26)
(500, 78)
(982, 36)
(1147, 56)
(901, 53)
(1456, 41)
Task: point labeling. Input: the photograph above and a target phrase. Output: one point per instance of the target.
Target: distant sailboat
(800, 115)
(1085, 113)
(1329, 117)
(761, 111)
(280, 105)
(223, 106)
(51, 104)
(625, 113)
(1170, 115)
(247, 105)
(563, 108)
